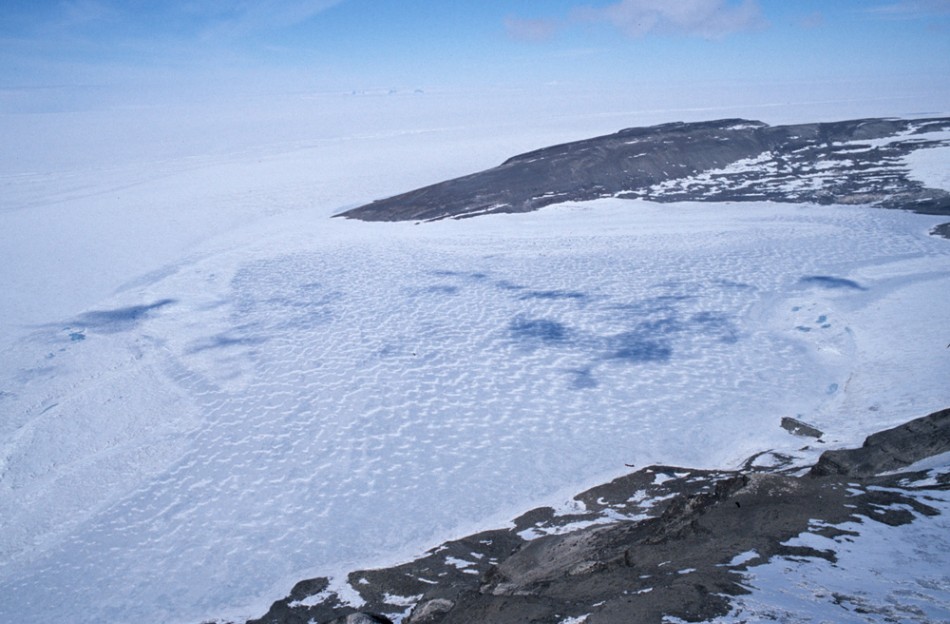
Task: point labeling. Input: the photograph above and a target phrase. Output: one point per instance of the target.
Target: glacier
(209, 389)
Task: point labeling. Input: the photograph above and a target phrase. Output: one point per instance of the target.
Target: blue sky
(430, 44)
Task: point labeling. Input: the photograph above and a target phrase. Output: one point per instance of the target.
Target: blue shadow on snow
(119, 319)
(223, 341)
(554, 294)
(538, 330)
(637, 347)
(828, 281)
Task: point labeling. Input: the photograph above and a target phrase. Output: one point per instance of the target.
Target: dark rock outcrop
(941, 230)
(892, 449)
(430, 611)
(657, 543)
(726, 160)
(362, 618)
(797, 427)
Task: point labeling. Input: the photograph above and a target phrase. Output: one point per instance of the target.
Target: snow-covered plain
(210, 390)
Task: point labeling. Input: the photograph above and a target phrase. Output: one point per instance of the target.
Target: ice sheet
(210, 390)
(316, 395)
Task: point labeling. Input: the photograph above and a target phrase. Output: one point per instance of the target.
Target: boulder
(430, 611)
(799, 428)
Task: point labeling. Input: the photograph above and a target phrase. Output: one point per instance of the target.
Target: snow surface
(209, 390)
(881, 574)
(930, 165)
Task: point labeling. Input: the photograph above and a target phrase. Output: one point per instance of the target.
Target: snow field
(313, 396)
(209, 391)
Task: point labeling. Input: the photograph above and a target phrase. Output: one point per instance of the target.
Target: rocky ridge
(847, 162)
(660, 542)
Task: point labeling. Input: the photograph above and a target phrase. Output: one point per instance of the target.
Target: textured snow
(930, 165)
(338, 390)
(209, 390)
(881, 574)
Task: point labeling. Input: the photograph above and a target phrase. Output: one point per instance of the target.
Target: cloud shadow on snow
(508, 285)
(638, 347)
(654, 327)
(668, 305)
(475, 276)
(554, 295)
(119, 319)
(829, 281)
(716, 324)
(441, 289)
(535, 332)
(282, 294)
(582, 378)
(223, 341)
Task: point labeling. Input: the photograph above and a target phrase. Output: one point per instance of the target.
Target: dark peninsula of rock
(847, 162)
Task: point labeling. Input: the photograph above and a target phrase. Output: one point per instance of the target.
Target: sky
(76, 50)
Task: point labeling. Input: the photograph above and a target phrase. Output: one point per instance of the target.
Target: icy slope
(306, 397)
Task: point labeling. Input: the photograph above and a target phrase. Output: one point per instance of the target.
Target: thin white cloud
(710, 19)
(241, 17)
(208, 19)
(911, 9)
(812, 20)
(77, 13)
(112, 42)
(530, 29)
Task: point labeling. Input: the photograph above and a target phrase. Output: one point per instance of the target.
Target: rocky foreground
(848, 162)
(660, 542)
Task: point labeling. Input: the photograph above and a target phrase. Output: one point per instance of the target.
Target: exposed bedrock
(942, 230)
(893, 449)
(850, 162)
(661, 541)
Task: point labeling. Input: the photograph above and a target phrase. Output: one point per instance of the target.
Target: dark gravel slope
(851, 162)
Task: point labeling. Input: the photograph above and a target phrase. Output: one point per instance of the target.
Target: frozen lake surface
(288, 395)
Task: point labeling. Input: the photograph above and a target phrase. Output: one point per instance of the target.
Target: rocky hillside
(660, 542)
(847, 162)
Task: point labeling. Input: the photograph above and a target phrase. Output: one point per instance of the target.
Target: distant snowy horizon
(115, 194)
